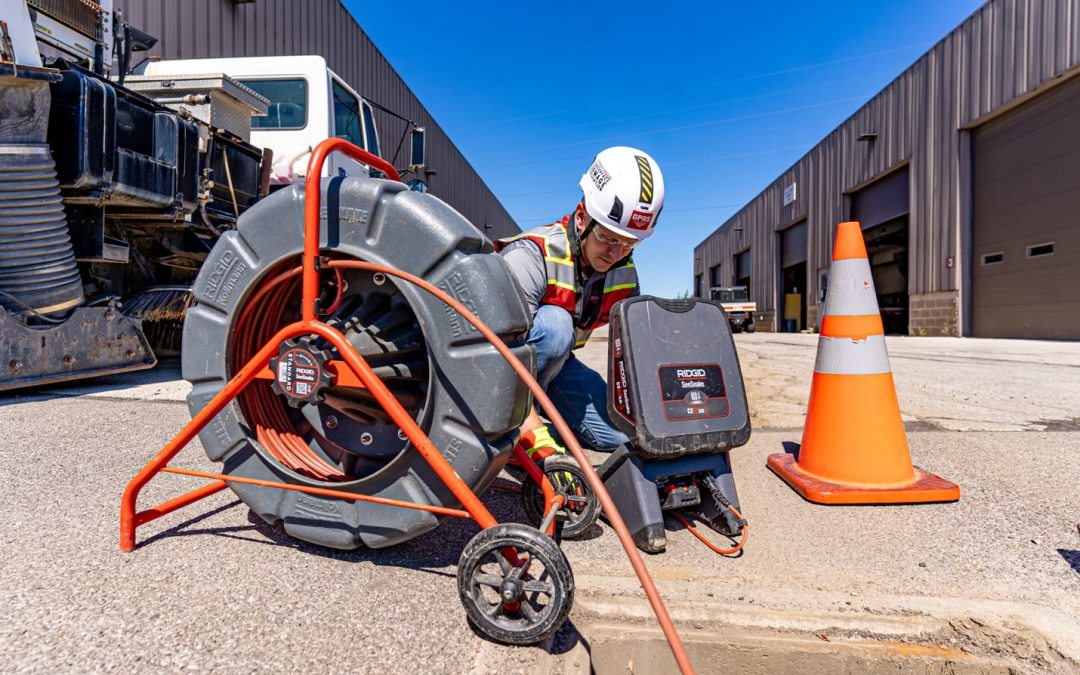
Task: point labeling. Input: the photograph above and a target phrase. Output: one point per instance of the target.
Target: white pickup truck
(736, 302)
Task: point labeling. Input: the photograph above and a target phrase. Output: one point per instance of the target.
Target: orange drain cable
(266, 412)
(261, 318)
(614, 518)
(713, 547)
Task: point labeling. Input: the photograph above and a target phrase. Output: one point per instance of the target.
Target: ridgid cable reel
(312, 425)
(269, 426)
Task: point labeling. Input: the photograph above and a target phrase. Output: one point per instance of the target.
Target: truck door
(371, 134)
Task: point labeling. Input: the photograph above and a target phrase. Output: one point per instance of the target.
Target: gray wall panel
(221, 28)
(1005, 53)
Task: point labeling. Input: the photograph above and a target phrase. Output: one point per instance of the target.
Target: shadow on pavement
(186, 529)
(1071, 557)
(792, 448)
(432, 552)
(167, 370)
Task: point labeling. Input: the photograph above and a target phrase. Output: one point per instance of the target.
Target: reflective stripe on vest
(619, 283)
(562, 289)
(558, 264)
(581, 336)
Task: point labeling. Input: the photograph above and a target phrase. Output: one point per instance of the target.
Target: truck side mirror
(417, 156)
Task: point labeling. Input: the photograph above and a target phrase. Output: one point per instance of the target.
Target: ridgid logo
(690, 372)
(640, 220)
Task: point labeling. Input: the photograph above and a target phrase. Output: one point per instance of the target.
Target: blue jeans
(578, 392)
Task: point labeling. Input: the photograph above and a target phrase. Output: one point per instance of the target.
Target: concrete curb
(996, 634)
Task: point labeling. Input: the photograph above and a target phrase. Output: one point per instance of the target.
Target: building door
(882, 210)
(742, 272)
(793, 280)
(716, 276)
(1026, 227)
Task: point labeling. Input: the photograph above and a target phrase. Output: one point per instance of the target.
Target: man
(572, 272)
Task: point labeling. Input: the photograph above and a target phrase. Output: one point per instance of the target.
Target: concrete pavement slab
(996, 575)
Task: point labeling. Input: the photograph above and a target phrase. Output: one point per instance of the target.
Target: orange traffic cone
(854, 450)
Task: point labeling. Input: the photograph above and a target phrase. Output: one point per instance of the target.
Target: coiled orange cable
(713, 547)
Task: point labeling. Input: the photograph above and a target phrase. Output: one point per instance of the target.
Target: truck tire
(458, 388)
(750, 327)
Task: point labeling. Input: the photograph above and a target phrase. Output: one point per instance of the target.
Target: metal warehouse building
(196, 29)
(965, 175)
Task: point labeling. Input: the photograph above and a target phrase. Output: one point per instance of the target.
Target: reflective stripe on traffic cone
(854, 450)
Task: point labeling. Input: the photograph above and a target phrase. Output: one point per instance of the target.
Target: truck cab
(308, 103)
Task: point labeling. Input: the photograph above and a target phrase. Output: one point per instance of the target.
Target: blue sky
(724, 95)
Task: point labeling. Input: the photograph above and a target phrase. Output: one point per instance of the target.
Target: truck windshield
(347, 116)
(730, 295)
(288, 103)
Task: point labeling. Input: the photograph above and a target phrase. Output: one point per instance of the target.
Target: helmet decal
(646, 179)
(599, 175)
(616, 211)
(639, 220)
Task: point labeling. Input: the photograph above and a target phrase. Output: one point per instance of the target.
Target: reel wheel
(581, 510)
(519, 604)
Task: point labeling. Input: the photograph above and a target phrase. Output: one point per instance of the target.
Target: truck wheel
(460, 391)
(750, 327)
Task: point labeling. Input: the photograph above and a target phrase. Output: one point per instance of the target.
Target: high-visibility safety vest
(562, 287)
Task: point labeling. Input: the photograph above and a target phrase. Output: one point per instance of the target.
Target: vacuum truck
(109, 200)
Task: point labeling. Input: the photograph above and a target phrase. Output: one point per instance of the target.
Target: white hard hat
(624, 191)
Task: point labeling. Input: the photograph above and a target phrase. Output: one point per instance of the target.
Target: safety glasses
(612, 242)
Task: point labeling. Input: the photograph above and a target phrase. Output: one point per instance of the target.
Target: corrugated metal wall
(190, 29)
(1006, 52)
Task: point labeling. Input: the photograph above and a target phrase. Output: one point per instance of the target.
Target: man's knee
(552, 335)
(553, 331)
(609, 439)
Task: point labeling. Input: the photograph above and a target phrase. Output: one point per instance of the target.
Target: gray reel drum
(458, 388)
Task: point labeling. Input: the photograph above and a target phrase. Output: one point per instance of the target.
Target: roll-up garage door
(882, 209)
(883, 200)
(1026, 237)
(793, 245)
(742, 269)
(793, 278)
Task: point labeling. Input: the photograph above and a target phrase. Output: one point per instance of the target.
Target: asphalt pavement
(995, 576)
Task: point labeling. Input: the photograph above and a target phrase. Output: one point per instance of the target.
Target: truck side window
(347, 116)
(288, 103)
(372, 135)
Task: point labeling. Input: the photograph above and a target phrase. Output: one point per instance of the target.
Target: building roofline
(836, 130)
